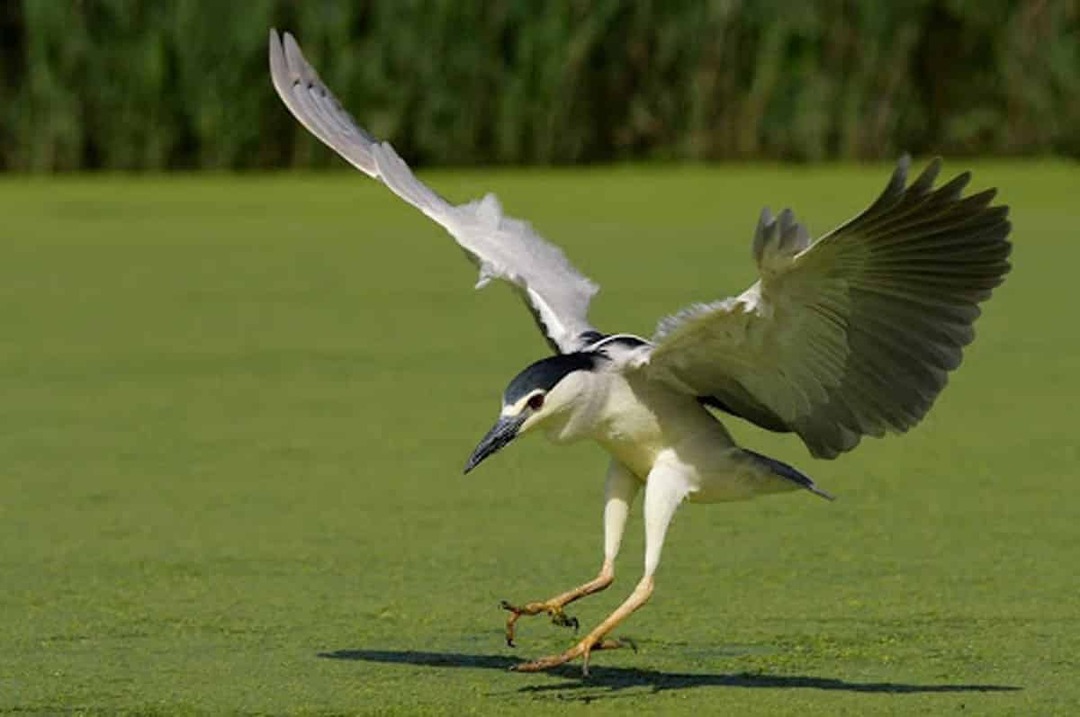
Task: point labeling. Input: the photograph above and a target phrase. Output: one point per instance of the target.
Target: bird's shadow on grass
(622, 678)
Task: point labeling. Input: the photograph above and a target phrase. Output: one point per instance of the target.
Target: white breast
(641, 420)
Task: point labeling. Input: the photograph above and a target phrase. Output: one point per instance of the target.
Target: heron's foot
(598, 638)
(554, 608)
(583, 650)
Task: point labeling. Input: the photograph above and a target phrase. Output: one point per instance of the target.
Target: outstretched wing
(500, 246)
(855, 334)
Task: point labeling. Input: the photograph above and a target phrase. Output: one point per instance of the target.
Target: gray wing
(854, 335)
(500, 246)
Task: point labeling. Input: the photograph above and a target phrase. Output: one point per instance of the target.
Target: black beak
(504, 431)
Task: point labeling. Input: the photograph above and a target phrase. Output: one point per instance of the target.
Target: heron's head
(545, 390)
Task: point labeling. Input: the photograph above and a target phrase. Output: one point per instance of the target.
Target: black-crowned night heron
(851, 335)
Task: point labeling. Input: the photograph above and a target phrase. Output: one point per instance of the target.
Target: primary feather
(855, 334)
(500, 246)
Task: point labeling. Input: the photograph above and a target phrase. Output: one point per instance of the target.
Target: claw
(558, 617)
(554, 606)
(595, 640)
(561, 619)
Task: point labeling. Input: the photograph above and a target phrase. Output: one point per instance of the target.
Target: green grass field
(235, 410)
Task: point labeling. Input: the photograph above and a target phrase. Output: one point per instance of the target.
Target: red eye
(536, 401)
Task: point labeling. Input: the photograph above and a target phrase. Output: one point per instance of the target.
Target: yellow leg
(554, 606)
(619, 490)
(664, 491)
(597, 639)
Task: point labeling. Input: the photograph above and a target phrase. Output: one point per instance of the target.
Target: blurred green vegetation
(129, 84)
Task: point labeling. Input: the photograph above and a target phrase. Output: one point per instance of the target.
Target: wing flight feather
(856, 333)
(556, 293)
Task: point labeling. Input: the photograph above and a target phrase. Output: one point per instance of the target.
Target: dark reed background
(140, 85)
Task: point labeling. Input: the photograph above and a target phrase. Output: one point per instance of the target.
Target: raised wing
(501, 247)
(855, 334)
